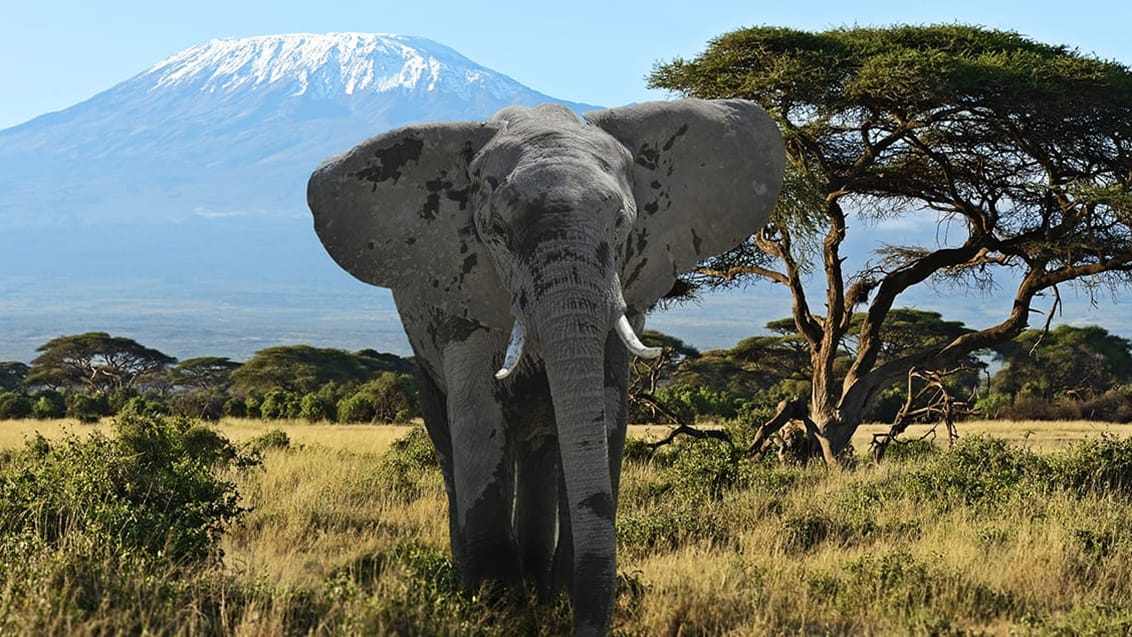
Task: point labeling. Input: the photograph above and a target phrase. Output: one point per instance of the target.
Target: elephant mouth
(621, 326)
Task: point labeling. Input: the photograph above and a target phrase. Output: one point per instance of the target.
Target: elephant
(522, 253)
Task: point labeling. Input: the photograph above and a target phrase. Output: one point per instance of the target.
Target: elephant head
(556, 230)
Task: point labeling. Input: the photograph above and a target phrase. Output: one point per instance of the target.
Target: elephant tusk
(514, 350)
(629, 338)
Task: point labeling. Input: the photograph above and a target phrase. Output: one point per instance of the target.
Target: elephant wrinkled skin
(522, 253)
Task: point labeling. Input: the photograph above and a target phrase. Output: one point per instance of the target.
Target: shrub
(1101, 464)
(14, 406)
(141, 406)
(702, 468)
(204, 404)
(48, 404)
(279, 403)
(409, 459)
(388, 398)
(274, 439)
(315, 407)
(150, 492)
(977, 471)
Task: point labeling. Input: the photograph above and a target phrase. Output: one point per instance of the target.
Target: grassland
(346, 536)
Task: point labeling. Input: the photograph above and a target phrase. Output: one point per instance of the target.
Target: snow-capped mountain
(234, 126)
(189, 180)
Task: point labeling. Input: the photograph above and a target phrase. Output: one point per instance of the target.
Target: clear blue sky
(56, 53)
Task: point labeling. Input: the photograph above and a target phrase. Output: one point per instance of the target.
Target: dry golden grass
(340, 541)
(1041, 436)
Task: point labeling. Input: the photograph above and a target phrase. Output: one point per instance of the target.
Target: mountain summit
(329, 65)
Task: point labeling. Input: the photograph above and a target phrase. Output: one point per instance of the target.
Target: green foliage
(406, 464)
(978, 471)
(275, 439)
(1079, 361)
(14, 406)
(87, 408)
(12, 375)
(302, 369)
(151, 492)
(316, 408)
(1097, 465)
(48, 404)
(389, 398)
(280, 403)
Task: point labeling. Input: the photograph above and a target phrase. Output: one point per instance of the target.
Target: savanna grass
(987, 538)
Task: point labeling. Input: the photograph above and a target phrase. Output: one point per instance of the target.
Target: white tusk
(514, 351)
(629, 338)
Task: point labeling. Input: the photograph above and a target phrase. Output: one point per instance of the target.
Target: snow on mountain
(328, 64)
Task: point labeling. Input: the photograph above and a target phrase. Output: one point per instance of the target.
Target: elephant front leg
(482, 474)
(434, 411)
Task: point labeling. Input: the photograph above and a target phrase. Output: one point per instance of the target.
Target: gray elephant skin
(522, 251)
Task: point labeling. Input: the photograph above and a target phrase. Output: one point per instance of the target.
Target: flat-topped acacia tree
(1023, 149)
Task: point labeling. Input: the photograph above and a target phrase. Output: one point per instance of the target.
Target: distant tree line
(91, 375)
(1063, 373)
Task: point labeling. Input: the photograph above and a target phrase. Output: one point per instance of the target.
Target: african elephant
(522, 252)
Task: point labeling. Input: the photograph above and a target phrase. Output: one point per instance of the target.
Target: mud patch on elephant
(390, 160)
(601, 504)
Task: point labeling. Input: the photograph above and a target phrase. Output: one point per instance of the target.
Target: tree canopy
(96, 361)
(304, 369)
(1022, 150)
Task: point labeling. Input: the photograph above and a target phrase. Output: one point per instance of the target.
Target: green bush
(409, 459)
(14, 406)
(274, 439)
(142, 406)
(48, 404)
(87, 408)
(152, 492)
(977, 471)
(315, 408)
(707, 467)
(279, 403)
(1102, 464)
(389, 398)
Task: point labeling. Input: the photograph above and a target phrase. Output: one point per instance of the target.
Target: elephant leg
(434, 410)
(536, 519)
(481, 469)
(530, 420)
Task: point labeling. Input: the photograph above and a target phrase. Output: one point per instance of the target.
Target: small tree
(1022, 150)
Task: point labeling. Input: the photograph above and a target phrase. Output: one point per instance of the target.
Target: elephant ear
(395, 211)
(706, 176)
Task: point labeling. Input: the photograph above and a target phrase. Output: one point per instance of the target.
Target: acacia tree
(94, 361)
(1024, 149)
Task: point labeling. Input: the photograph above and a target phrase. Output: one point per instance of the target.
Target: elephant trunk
(571, 320)
(574, 358)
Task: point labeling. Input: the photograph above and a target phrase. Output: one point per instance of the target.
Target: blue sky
(57, 53)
